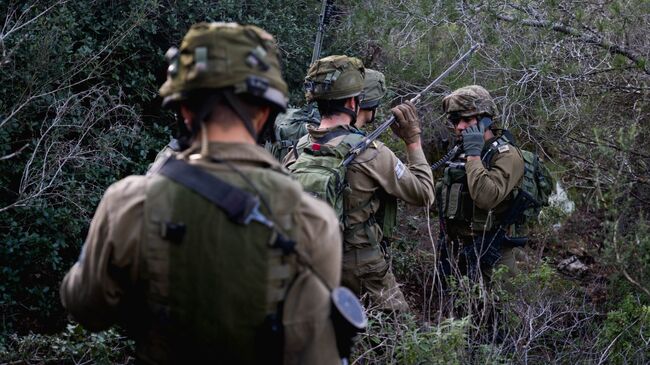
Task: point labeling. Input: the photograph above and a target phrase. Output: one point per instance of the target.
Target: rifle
(322, 21)
(363, 145)
(451, 154)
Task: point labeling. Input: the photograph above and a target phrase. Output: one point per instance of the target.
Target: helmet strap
(203, 113)
(374, 113)
(350, 112)
(239, 109)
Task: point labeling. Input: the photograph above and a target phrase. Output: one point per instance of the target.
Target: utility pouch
(348, 317)
(454, 205)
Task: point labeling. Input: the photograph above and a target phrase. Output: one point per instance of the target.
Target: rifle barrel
(363, 145)
(318, 43)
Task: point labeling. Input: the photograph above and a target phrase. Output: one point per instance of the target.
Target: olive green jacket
(490, 190)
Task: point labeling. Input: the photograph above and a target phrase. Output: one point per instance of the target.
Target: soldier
(292, 125)
(374, 89)
(476, 191)
(218, 255)
(336, 83)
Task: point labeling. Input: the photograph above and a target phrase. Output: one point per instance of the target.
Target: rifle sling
(236, 203)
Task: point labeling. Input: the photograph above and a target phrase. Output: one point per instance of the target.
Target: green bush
(626, 333)
(399, 339)
(79, 110)
(73, 346)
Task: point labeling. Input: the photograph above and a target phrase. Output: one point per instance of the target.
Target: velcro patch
(504, 148)
(399, 169)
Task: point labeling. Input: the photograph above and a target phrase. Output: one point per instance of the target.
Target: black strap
(239, 109)
(238, 205)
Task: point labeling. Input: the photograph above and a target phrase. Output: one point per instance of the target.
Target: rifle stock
(363, 145)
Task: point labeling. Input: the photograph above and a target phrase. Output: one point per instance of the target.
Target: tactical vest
(462, 217)
(215, 286)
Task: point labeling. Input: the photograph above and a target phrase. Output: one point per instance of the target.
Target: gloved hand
(407, 124)
(473, 140)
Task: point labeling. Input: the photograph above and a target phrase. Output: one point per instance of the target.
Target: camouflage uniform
(473, 198)
(374, 175)
(133, 261)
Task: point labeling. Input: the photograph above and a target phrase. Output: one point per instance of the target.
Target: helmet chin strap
(239, 109)
(196, 125)
(350, 112)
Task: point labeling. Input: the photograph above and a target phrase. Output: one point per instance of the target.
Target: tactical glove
(473, 140)
(407, 125)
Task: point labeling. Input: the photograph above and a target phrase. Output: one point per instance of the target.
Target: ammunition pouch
(348, 317)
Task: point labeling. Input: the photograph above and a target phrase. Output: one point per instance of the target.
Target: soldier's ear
(261, 116)
(187, 115)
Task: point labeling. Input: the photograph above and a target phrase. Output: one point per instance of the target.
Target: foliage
(398, 339)
(73, 346)
(626, 333)
(79, 110)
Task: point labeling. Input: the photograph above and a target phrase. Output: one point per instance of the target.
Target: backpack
(537, 180)
(319, 167)
(290, 127)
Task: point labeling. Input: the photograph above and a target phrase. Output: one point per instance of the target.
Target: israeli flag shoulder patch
(400, 169)
(504, 148)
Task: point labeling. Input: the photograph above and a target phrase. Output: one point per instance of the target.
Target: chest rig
(217, 269)
(455, 205)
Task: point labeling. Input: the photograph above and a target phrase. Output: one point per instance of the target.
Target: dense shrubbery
(78, 110)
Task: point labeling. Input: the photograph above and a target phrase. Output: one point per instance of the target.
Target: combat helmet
(469, 101)
(334, 78)
(238, 59)
(374, 88)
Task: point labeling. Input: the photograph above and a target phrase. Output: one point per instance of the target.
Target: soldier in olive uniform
(235, 265)
(476, 190)
(336, 83)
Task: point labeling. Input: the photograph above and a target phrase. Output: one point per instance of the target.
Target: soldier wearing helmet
(336, 84)
(217, 255)
(292, 125)
(374, 89)
(475, 192)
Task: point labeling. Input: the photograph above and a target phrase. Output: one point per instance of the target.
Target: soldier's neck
(335, 121)
(229, 133)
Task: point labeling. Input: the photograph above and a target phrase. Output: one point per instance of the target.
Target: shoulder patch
(504, 148)
(399, 169)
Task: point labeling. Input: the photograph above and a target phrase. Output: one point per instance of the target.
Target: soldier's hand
(407, 125)
(473, 140)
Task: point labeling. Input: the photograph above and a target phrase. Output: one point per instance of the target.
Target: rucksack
(319, 167)
(290, 127)
(537, 180)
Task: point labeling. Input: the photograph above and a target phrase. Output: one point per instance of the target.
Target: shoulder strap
(331, 135)
(240, 206)
(492, 150)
